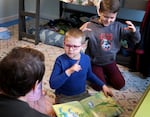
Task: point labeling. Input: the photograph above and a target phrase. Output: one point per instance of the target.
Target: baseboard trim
(8, 19)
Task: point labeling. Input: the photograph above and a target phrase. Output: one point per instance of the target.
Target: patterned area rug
(127, 97)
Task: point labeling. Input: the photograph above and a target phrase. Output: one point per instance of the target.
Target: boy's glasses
(72, 46)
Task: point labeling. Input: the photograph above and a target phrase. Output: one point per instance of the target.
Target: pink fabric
(40, 102)
(35, 95)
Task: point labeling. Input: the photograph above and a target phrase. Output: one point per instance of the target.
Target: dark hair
(111, 6)
(20, 70)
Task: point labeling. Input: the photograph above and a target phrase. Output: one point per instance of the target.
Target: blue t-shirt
(76, 83)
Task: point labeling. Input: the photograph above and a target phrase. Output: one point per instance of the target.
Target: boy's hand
(130, 26)
(107, 91)
(76, 67)
(84, 27)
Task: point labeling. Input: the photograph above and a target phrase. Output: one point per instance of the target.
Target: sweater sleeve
(136, 36)
(58, 76)
(133, 36)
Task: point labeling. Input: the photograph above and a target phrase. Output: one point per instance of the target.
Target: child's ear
(98, 11)
(98, 7)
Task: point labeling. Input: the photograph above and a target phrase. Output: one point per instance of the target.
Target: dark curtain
(145, 43)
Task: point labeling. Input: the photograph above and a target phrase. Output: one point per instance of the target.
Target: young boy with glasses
(72, 69)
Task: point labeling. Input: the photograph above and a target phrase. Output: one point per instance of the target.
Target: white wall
(9, 9)
(49, 8)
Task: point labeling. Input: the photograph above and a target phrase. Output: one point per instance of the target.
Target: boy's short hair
(111, 6)
(76, 33)
(20, 70)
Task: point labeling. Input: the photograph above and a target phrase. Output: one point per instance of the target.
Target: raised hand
(130, 26)
(84, 27)
(76, 67)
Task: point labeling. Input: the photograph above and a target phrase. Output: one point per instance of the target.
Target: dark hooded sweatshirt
(104, 42)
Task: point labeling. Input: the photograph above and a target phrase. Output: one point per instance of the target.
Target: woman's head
(73, 42)
(108, 11)
(20, 70)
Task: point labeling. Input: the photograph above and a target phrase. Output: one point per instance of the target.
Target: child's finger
(77, 61)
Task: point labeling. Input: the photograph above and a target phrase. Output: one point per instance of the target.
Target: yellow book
(142, 108)
(96, 105)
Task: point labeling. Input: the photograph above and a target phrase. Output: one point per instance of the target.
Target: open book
(96, 105)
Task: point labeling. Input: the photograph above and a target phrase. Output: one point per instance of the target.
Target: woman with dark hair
(21, 72)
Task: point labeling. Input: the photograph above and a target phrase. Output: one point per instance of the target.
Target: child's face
(73, 47)
(106, 18)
